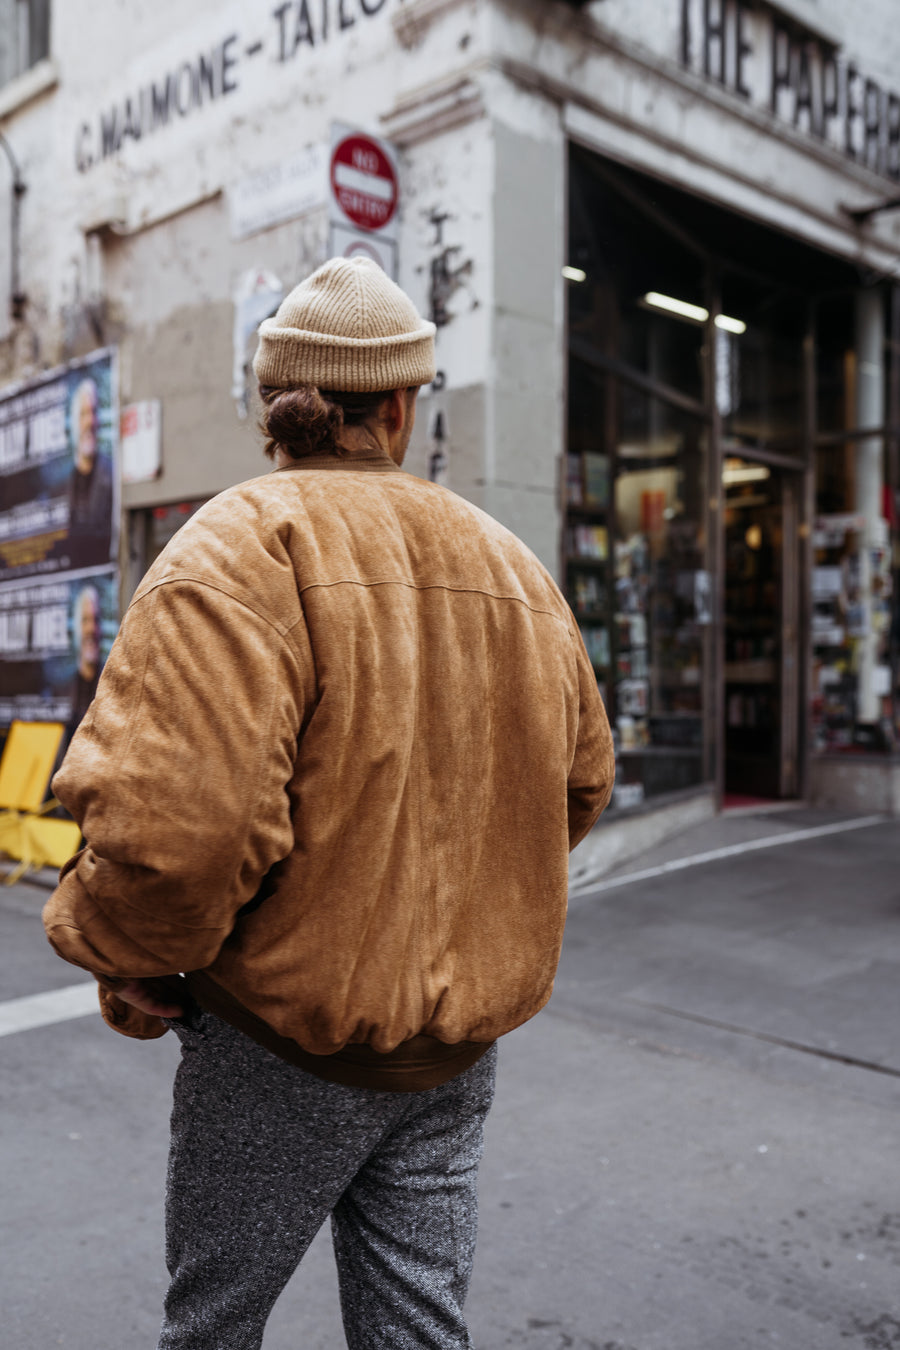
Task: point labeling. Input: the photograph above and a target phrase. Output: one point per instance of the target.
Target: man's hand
(143, 994)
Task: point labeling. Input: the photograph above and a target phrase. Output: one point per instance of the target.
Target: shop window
(835, 386)
(635, 538)
(854, 668)
(636, 574)
(855, 675)
(703, 344)
(761, 650)
(760, 381)
(661, 597)
(664, 346)
(24, 36)
(641, 303)
(149, 530)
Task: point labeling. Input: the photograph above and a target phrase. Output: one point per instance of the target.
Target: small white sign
(140, 438)
(349, 243)
(626, 795)
(279, 192)
(881, 681)
(826, 582)
(826, 633)
(257, 296)
(831, 531)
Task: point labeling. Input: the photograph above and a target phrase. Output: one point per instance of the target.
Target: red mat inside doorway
(733, 801)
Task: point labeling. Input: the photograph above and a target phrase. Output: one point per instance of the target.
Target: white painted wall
(479, 97)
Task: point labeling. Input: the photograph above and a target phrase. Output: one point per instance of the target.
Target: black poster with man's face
(54, 639)
(59, 513)
(59, 497)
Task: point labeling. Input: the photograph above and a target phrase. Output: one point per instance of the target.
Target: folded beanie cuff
(287, 357)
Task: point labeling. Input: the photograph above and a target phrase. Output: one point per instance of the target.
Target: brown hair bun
(307, 421)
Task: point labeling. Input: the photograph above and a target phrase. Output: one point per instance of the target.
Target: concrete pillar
(869, 475)
(524, 437)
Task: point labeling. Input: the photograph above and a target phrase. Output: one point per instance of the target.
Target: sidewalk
(603, 853)
(693, 1148)
(788, 921)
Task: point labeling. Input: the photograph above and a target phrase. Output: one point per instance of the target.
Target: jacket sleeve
(593, 768)
(178, 777)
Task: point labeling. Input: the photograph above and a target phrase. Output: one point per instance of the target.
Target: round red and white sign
(364, 182)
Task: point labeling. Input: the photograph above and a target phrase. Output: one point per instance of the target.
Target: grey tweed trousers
(263, 1152)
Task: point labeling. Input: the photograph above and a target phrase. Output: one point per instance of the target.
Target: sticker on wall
(279, 192)
(256, 296)
(344, 243)
(140, 441)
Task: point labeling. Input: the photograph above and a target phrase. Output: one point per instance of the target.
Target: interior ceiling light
(744, 473)
(730, 325)
(679, 307)
(695, 313)
(574, 274)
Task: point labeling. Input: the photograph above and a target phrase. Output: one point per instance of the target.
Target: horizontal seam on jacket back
(285, 629)
(434, 586)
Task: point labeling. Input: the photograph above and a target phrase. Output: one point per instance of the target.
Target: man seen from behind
(343, 744)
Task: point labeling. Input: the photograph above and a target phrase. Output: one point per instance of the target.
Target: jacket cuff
(126, 1019)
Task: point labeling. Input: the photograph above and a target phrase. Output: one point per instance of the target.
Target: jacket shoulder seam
(282, 629)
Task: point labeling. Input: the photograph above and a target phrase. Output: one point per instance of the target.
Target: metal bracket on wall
(860, 214)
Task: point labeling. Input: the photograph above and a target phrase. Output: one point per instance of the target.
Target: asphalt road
(695, 1147)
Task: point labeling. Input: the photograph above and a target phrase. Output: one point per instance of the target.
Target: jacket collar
(369, 461)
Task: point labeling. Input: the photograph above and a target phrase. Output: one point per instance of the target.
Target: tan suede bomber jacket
(341, 748)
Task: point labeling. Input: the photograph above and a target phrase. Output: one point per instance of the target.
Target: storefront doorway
(731, 452)
(762, 658)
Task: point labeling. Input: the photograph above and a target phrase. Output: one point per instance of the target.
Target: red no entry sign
(364, 182)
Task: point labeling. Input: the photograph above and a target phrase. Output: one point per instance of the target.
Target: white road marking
(585, 888)
(80, 1000)
(41, 1010)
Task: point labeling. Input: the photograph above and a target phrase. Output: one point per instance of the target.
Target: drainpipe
(17, 296)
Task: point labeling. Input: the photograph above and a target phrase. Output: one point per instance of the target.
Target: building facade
(659, 243)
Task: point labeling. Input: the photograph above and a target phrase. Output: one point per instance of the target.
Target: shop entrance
(762, 656)
(736, 627)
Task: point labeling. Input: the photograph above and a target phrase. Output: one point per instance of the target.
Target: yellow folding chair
(25, 835)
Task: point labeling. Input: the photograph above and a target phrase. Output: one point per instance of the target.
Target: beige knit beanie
(346, 327)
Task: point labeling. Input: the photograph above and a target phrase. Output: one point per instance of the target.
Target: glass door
(761, 630)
